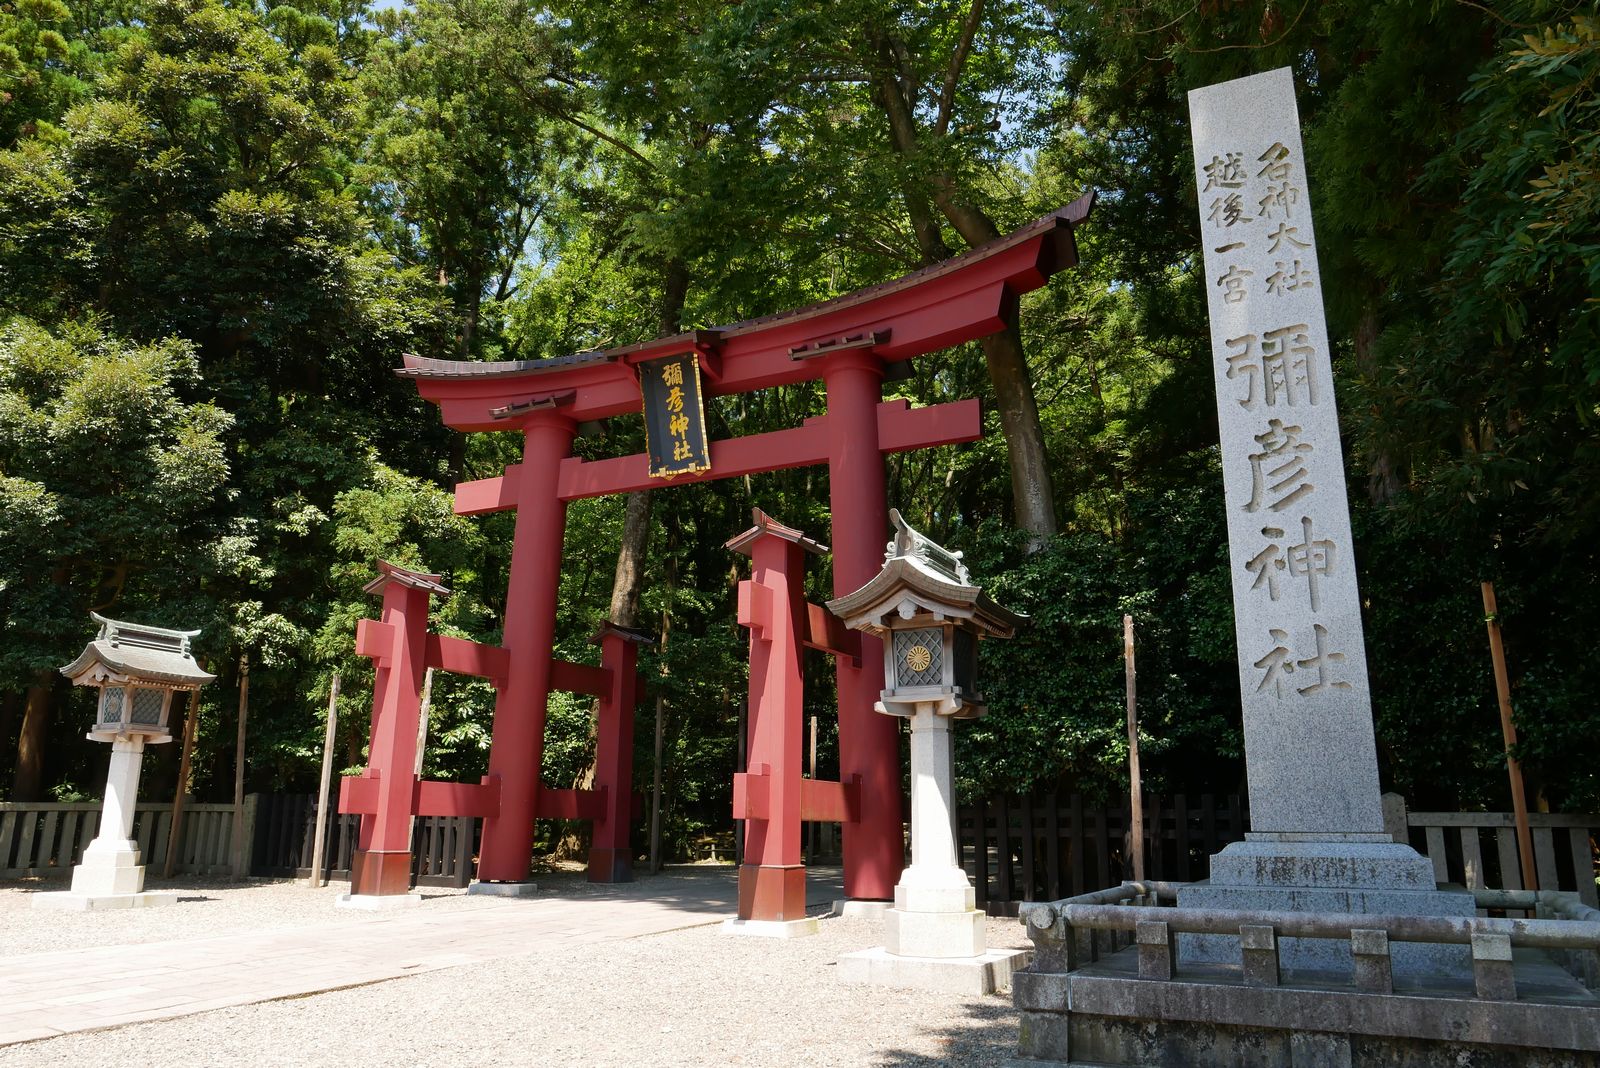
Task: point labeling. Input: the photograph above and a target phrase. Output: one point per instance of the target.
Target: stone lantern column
(933, 914)
(930, 618)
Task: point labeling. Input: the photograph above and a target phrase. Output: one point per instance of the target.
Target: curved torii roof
(960, 299)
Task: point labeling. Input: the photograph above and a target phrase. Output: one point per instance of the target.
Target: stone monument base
(379, 902)
(771, 928)
(72, 901)
(981, 974)
(1103, 1014)
(503, 889)
(1353, 873)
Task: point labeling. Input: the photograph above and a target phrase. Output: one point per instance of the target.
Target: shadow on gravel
(712, 889)
(985, 1034)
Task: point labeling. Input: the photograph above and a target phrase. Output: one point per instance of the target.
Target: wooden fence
(1479, 850)
(1044, 849)
(47, 839)
(442, 847)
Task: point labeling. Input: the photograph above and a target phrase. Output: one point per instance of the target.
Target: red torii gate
(847, 342)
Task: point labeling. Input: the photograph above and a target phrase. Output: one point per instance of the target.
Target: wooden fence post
(176, 833)
(239, 863)
(1519, 800)
(1135, 794)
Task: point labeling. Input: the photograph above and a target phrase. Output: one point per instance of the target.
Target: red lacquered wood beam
(359, 794)
(467, 658)
(901, 428)
(373, 638)
(433, 798)
(570, 804)
(826, 633)
(485, 495)
(730, 458)
(965, 298)
(751, 790)
(579, 678)
(829, 802)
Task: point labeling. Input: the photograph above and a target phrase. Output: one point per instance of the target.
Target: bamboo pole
(175, 835)
(240, 852)
(1502, 684)
(319, 834)
(1135, 787)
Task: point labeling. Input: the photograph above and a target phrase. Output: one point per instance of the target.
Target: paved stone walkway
(47, 994)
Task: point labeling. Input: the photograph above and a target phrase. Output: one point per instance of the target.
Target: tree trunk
(629, 578)
(28, 785)
(1031, 491)
(1383, 478)
(10, 704)
(1032, 496)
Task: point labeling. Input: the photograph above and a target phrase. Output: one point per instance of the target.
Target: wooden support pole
(240, 849)
(1502, 683)
(422, 738)
(741, 765)
(815, 829)
(1135, 787)
(175, 836)
(319, 833)
(655, 788)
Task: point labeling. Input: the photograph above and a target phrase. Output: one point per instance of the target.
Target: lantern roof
(919, 577)
(139, 652)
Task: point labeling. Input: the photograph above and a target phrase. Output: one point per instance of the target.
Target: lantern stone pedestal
(110, 875)
(930, 617)
(933, 936)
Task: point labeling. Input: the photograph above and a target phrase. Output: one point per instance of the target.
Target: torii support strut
(772, 795)
(849, 342)
(389, 793)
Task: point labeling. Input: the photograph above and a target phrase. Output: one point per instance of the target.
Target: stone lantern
(930, 618)
(137, 670)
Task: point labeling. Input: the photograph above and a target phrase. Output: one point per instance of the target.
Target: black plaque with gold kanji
(674, 416)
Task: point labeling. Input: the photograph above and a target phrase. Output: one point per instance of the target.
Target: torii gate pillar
(516, 749)
(869, 744)
(611, 854)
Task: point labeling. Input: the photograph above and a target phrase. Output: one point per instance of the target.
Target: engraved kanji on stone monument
(1302, 666)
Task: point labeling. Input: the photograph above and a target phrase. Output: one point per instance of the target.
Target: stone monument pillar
(1317, 841)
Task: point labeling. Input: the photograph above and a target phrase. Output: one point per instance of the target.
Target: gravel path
(209, 907)
(689, 997)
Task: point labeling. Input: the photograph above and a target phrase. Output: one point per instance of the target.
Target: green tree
(109, 491)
